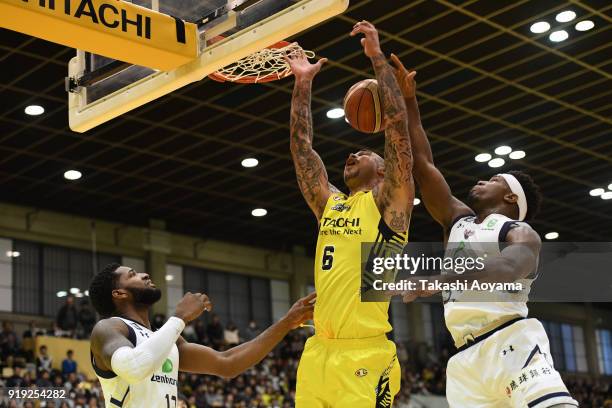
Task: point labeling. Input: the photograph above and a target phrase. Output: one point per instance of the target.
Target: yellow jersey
(346, 223)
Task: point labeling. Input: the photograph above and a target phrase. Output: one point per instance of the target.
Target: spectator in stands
(87, 318)
(215, 332)
(200, 330)
(9, 343)
(231, 335)
(33, 331)
(44, 380)
(251, 331)
(189, 333)
(69, 365)
(16, 380)
(72, 381)
(44, 360)
(67, 317)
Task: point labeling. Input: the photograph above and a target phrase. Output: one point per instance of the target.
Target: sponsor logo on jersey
(163, 379)
(338, 198)
(341, 207)
(167, 366)
(362, 372)
(340, 222)
(491, 223)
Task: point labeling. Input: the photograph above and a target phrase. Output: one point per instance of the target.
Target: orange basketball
(363, 107)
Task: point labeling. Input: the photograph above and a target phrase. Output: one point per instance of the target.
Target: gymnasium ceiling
(484, 80)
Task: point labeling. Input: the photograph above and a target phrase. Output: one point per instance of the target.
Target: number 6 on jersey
(328, 258)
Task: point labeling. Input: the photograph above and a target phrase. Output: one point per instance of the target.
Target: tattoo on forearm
(399, 220)
(311, 174)
(398, 151)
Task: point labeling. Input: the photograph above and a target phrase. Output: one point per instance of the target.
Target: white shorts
(511, 368)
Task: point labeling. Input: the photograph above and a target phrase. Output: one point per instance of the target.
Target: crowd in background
(270, 384)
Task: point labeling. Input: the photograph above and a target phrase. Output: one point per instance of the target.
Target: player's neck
(139, 314)
(485, 212)
(362, 187)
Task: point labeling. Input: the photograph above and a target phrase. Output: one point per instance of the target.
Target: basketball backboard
(100, 89)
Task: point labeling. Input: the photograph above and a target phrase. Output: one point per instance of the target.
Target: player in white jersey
(138, 367)
(503, 357)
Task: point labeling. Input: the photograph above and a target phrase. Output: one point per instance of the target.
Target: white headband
(517, 189)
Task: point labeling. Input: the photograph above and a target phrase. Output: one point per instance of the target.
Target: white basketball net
(262, 66)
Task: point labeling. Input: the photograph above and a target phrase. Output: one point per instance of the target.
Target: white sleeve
(137, 363)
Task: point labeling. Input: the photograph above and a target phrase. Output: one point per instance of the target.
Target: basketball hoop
(263, 66)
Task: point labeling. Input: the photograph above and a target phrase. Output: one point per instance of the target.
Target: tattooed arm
(311, 174)
(436, 193)
(395, 196)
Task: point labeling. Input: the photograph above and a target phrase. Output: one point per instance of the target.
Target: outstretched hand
(370, 42)
(405, 78)
(301, 67)
(301, 311)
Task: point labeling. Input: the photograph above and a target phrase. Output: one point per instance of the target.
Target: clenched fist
(191, 306)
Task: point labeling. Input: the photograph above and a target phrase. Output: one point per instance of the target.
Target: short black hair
(101, 290)
(532, 193)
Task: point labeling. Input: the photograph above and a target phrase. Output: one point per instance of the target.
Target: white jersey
(157, 390)
(465, 316)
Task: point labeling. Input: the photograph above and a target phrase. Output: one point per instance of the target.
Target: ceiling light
(79, 295)
(417, 201)
(558, 36)
(482, 157)
(565, 16)
(72, 175)
(74, 291)
(169, 278)
(539, 27)
(259, 212)
(250, 162)
(517, 154)
(503, 150)
(584, 25)
(86, 293)
(596, 192)
(61, 293)
(609, 188)
(552, 235)
(13, 254)
(607, 195)
(497, 162)
(34, 110)
(335, 113)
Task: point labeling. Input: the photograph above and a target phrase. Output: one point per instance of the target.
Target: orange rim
(250, 79)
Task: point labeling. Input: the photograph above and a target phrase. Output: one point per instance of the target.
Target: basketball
(363, 107)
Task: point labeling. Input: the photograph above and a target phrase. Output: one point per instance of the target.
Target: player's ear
(511, 198)
(120, 293)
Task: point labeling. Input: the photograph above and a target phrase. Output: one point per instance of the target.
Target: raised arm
(395, 196)
(199, 359)
(311, 174)
(435, 191)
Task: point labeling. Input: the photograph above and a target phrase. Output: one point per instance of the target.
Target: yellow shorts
(348, 373)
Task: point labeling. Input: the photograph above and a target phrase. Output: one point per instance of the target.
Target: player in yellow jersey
(349, 362)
